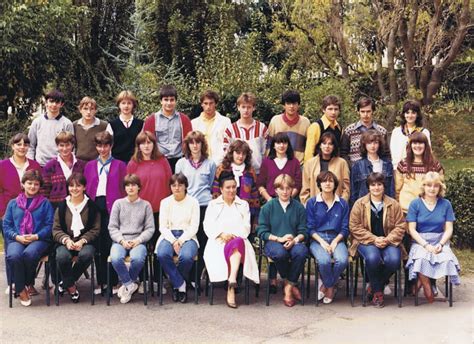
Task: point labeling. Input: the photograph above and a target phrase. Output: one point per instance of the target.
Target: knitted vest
(85, 147)
(336, 131)
(124, 138)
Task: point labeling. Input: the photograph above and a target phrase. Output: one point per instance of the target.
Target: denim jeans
(330, 272)
(137, 260)
(165, 252)
(23, 260)
(380, 263)
(71, 273)
(289, 263)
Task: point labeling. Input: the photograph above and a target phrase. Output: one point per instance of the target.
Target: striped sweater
(296, 133)
(255, 136)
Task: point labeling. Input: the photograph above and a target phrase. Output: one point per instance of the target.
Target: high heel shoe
(231, 289)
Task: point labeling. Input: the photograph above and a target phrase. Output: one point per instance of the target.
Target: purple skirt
(234, 244)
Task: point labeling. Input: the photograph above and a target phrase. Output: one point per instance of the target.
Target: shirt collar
(96, 122)
(205, 119)
(58, 117)
(251, 126)
(175, 114)
(319, 198)
(328, 123)
(360, 124)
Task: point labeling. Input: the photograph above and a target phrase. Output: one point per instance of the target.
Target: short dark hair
(371, 135)
(18, 137)
(415, 106)
(375, 177)
(65, 137)
(132, 179)
(331, 100)
(179, 178)
(281, 137)
(290, 96)
(76, 178)
(55, 95)
(209, 94)
(33, 175)
(324, 176)
(225, 176)
(104, 138)
(365, 101)
(328, 136)
(168, 91)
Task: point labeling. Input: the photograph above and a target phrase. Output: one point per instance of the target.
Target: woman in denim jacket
(371, 146)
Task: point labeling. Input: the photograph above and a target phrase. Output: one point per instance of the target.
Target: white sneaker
(387, 290)
(141, 288)
(7, 290)
(128, 292)
(120, 291)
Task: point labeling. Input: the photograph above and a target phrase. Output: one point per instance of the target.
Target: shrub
(461, 194)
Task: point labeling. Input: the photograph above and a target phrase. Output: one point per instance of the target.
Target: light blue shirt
(199, 179)
(169, 135)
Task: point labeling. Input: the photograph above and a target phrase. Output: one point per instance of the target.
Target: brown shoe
(25, 298)
(296, 293)
(32, 290)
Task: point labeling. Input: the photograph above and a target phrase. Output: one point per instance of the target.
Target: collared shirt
(377, 165)
(20, 170)
(88, 126)
(328, 123)
(322, 218)
(209, 125)
(102, 185)
(284, 205)
(126, 124)
(363, 128)
(169, 136)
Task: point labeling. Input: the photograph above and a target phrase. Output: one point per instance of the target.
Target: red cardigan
(186, 126)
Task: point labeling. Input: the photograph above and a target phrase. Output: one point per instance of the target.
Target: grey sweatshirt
(130, 221)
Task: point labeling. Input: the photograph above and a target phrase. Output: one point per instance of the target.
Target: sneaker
(32, 290)
(61, 288)
(128, 292)
(25, 298)
(98, 290)
(387, 290)
(7, 290)
(75, 296)
(377, 300)
(183, 297)
(120, 291)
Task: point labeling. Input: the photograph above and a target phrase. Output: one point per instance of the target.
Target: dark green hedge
(461, 194)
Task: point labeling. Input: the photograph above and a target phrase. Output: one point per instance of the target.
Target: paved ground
(256, 323)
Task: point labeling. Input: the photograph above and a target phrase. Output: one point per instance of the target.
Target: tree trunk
(406, 34)
(336, 31)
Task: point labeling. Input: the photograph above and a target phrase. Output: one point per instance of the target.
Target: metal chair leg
(267, 292)
(308, 278)
(47, 272)
(197, 282)
(364, 285)
(356, 278)
(316, 279)
(247, 291)
(351, 276)
(416, 291)
(145, 276)
(450, 292)
(56, 285)
(109, 289)
(92, 281)
(302, 286)
(347, 281)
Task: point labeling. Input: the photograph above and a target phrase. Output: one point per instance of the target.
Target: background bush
(461, 194)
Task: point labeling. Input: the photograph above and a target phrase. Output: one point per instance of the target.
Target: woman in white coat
(227, 225)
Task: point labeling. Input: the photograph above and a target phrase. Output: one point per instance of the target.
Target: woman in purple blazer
(11, 172)
(104, 186)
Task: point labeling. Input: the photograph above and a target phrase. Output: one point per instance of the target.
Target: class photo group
(167, 197)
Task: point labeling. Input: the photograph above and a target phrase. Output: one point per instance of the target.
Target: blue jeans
(23, 261)
(71, 273)
(330, 272)
(289, 263)
(380, 264)
(165, 252)
(137, 260)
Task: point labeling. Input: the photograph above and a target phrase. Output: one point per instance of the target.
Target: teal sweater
(273, 220)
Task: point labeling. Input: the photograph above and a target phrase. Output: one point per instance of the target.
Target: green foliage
(460, 191)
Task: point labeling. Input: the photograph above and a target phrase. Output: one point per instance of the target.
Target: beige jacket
(312, 168)
(394, 224)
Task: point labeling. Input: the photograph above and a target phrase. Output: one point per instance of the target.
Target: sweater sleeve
(93, 233)
(298, 175)
(58, 234)
(192, 230)
(165, 220)
(302, 229)
(305, 188)
(311, 216)
(345, 147)
(346, 184)
(264, 227)
(345, 220)
(9, 229)
(32, 136)
(312, 137)
(47, 220)
(47, 184)
(399, 180)
(148, 225)
(114, 223)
